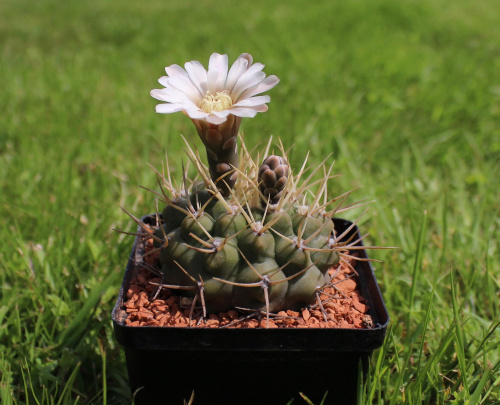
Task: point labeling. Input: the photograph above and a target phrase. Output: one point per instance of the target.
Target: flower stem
(222, 151)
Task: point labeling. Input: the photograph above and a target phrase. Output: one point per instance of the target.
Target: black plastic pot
(249, 366)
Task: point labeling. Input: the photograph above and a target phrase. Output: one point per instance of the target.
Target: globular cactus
(255, 237)
(265, 247)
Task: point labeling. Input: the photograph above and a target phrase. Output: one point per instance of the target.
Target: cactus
(266, 247)
(257, 237)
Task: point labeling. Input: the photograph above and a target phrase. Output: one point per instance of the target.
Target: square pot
(255, 366)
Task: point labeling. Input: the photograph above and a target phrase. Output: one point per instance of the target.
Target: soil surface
(342, 306)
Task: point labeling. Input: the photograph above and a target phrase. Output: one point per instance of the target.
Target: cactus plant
(256, 237)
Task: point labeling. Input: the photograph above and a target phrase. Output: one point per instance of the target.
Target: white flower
(215, 94)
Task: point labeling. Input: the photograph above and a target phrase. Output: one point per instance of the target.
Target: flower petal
(168, 108)
(174, 96)
(213, 119)
(267, 84)
(212, 77)
(175, 70)
(218, 62)
(253, 101)
(189, 105)
(244, 112)
(183, 84)
(247, 83)
(169, 94)
(248, 79)
(163, 81)
(239, 67)
(196, 113)
(260, 108)
(197, 75)
(221, 114)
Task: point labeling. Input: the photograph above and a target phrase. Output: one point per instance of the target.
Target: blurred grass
(405, 94)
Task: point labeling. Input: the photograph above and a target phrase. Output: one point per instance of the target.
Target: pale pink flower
(215, 94)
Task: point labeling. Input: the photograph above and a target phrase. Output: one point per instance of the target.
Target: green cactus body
(222, 263)
(287, 252)
(281, 223)
(307, 223)
(325, 259)
(229, 224)
(254, 297)
(212, 254)
(160, 233)
(257, 214)
(302, 290)
(174, 276)
(218, 209)
(173, 216)
(218, 295)
(326, 227)
(200, 197)
(233, 252)
(257, 247)
(177, 251)
(199, 227)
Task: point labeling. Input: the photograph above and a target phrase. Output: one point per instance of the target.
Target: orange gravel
(343, 307)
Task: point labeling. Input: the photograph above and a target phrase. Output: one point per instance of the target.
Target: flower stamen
(219, 102)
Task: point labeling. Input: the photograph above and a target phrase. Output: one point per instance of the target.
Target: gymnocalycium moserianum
(256, 235)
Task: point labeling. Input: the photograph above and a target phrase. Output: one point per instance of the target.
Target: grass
(405, 94)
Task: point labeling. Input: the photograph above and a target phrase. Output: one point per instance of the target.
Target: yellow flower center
(220, 102)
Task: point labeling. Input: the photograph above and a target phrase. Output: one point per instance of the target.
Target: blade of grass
(78, 327)
(417, 266)
(68, 386)
(102, 349)
(459, 342)
(6, 397)
(478, 390)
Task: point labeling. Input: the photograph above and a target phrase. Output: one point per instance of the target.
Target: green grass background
(405, 94)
